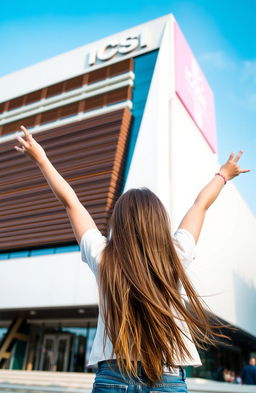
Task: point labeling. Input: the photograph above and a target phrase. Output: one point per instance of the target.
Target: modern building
(130, 110)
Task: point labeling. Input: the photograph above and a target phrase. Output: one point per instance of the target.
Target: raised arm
(194, 218)
(79, 217)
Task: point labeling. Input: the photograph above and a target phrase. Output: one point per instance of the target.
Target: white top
(91, 246)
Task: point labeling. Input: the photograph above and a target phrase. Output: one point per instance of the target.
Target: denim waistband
(178, 371)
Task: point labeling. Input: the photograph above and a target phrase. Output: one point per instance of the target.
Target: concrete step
(47, 378)
(199, 385)
(22, 381)
(16, 388)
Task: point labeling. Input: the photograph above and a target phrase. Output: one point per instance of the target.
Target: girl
(146, 334)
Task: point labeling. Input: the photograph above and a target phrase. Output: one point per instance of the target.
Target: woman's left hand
(30, 146)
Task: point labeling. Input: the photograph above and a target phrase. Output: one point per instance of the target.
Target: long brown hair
(139, 278)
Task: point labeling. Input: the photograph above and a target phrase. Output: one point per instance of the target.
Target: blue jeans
(110, 381)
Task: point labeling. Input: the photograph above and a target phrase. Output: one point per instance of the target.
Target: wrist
(225, 172)
(40, 161)
(222, 175)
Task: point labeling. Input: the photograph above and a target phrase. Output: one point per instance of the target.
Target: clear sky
(221, 34)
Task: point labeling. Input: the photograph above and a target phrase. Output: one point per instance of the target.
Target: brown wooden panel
(74, 83)
(33, 97)
(16, 102)
(89, 154)
(98, 75)
(2, 107)
(48, 116)
(68, 110)
(118, 95)
(30, 121)
(53, 90)
(15, 126)
(121, 67)
(94, 102)
(10, 127)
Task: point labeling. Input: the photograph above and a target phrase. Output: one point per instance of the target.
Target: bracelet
(223, 177)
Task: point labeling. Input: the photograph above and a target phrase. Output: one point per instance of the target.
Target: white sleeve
(91, 247)
(185, 245)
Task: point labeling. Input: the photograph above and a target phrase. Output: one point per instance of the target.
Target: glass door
(62, 348)
(55, 351)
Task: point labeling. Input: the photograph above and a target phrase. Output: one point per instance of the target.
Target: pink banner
(193, 90)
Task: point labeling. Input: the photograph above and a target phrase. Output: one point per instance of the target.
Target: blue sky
(220, 33)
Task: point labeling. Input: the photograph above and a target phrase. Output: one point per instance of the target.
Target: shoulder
(185, 245)
(91, 246)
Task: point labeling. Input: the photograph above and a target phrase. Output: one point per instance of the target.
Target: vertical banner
(193, 90)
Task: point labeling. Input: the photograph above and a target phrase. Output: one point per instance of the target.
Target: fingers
(237, 158)
(21, 140)
(22, 150)
(232, 165)
(26, 133)
(244, 170)
(231, 156)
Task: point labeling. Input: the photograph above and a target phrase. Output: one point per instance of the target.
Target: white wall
(47, 281)
(225, 268)
(150, 166)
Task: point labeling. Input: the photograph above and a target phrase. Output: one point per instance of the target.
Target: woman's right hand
(231, 168)
(30, 146)
(194, 218)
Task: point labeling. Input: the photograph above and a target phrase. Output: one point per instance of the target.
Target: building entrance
(55, 352)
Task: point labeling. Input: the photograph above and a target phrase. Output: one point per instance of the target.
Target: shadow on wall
(245, 303)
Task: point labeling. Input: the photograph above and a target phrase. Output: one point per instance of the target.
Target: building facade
(130, 110)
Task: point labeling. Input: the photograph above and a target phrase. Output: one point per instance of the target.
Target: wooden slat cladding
(74, 83)
(33, 97)
(89, 154)
(69, 84)
(3, 107)
(95, 102)
(13, 104)
(53, 90)
(11, 127)
(46, 117)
